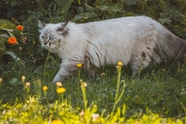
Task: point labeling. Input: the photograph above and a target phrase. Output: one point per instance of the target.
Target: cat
(135, 41)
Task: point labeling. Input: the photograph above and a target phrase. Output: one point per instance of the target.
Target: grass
(158, 95)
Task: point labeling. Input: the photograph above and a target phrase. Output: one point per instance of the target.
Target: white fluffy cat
(132, 40)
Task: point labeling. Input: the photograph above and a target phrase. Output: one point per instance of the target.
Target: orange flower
(20, 27)
(12, 40)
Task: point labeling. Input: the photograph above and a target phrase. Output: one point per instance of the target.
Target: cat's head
(51, 34)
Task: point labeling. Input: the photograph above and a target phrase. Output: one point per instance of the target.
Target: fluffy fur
(132, 40)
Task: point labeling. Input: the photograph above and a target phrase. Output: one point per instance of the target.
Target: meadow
(157, 95)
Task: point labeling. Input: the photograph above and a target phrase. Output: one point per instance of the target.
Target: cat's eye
(51, 38)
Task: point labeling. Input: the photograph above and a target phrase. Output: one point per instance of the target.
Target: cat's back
(123, 24)
(136, 20)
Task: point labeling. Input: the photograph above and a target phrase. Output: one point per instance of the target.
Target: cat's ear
(63, 29)
(63, 26)
(41, 25)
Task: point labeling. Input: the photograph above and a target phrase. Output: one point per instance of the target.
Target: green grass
(158, 95)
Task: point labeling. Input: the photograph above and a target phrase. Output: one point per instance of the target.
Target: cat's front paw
(57, 78)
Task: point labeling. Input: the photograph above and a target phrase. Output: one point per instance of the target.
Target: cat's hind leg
(139, 61)
(142, 59)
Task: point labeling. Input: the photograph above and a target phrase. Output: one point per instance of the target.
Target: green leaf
(102, 7)
(63, 4)
(87, 15)
(115, 8)
(2, 47)
(164, 20)
(5, 35)
(163, 5)
(131, 2)
(6, 24)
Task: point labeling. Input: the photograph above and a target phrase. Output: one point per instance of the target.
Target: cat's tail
(171, 45)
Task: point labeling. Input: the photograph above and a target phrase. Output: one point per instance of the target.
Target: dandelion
(83, 88)
(82, 113)
(12, 40)
(60, 90)
(84, 84)
(23, 78)
(58, 84)
(1, 80)
(27, 84)
(95, 117)
(57, 122)
(45, 88)
(79, 65)
(118, 96)
(20, 27)
(120, 63)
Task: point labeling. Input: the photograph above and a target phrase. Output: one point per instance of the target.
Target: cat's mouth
(45, 43)
(51, 44)
(48, 44)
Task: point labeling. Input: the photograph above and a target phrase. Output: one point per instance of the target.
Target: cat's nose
(45, 43)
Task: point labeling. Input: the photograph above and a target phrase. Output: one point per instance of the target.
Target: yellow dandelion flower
(82, 113)
(45, 88)
(27, 84)
(60, 90)
(58, 84)
(1, 80)
(79, 65)
(95, 117)
(85, 84)
(57, 122)
(23, 78)
(120, 63)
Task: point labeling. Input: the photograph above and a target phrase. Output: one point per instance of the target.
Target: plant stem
(46, 62)
(117, 99)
